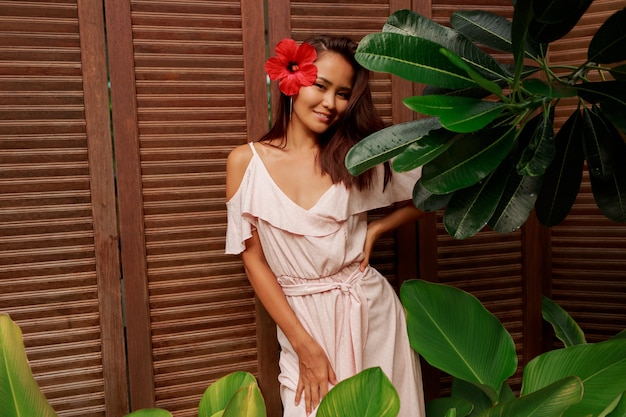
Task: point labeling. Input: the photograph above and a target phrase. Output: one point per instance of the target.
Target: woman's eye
(320, 86)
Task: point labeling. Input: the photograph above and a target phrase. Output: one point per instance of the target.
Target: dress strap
(253, 148)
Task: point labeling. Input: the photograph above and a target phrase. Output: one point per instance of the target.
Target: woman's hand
(315, 374)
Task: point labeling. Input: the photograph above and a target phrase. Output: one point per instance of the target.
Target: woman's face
(320, 105)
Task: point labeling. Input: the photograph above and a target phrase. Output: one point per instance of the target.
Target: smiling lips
(323, 116)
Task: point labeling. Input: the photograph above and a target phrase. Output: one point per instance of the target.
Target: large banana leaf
(469, 392)
(601, 367)
(427, 201)
(387, 143)
(468, 160)
(608, 45)
(565, 328)
(562, 179)
(550, 401)
(19, 393)
(369, 393)
(246, 402)
(440, 407)
(218, 394)
(619, 409)
(454, 332)
(150, 412)
(409, 23)
(414, 59)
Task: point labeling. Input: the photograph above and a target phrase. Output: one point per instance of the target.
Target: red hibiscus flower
(293, 66)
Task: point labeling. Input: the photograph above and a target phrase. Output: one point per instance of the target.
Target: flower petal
(276, 68)
(305, 54)
(307, 74)
(286, 50)
(290, 85)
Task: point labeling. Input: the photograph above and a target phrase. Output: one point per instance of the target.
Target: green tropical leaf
(610, 193)
(614, 113)
(150, 412)
(611, 92)
(427, 201)
(470, 208)
(387, 143)
(19, 393)
(218, 394)
(538, 154)
(619, 72)
(565, 328)
(410, 23)
(600, 366)
(458, 114)
(414, 59)
(488, 29)
(544, 33)
(453, 332)
(555, 11)
(608, 45)
(439, 407)
(484, 83)
(516, 203)
(369, 393)
(246, 402)
(424, 150)
(468, 160)
(619, 408)
(551, 401)
(599, 145)
(522, 15)
(620, 335)
(562, 179)
(540, 88)
(471, 393)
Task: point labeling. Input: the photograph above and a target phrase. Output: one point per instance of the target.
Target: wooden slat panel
(588, 250)
(190, 111)
(50, 233)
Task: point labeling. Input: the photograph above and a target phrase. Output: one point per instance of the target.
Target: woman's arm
(315, 369)
(406, 213)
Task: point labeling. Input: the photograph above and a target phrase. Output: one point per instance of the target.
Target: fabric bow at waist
(351, 314)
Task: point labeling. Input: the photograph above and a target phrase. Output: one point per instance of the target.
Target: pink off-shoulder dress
(355, 316)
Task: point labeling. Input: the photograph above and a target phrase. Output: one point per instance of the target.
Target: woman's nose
(329, 101)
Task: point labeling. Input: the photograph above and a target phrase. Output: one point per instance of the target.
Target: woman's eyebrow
(330, 83)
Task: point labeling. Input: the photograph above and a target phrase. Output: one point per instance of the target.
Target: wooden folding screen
(59, 265)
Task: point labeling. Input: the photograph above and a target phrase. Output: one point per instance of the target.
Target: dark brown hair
(359, 120)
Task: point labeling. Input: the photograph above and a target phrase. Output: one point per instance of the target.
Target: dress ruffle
(259, 198)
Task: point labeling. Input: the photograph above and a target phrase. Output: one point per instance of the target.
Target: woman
(299, 220)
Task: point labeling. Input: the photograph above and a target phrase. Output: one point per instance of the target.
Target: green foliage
(453, 332)
(491, 119)
(19, 393)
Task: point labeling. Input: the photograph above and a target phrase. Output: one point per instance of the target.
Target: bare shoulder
(236, 165)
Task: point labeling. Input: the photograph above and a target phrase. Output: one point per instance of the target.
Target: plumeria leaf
(517, 201)
(439, 407)
(612, 92)
(562, 179)
(468, 160)
(549, 32)
(424, 150)
(522, 15)
(470, 208)
(608, 45)
(554, 11)
(409, 23)
(488, 85)
(458, 114)
(414, 59)
(387, 143)
(488, 29)
(427, 201)
(601, 367)
(565, 328)
(619, 72)
(610, 193)
(599, 146)
(541, 88)
(369, 393)
(538, 154)
(614, 113)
